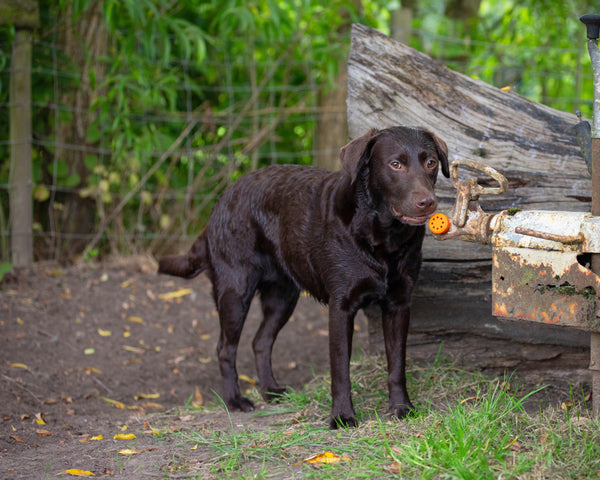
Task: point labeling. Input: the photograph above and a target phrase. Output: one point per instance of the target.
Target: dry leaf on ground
(326, 457)
(175, 294)
(76, 472)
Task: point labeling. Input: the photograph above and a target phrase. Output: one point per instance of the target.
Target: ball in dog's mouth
(420, 220)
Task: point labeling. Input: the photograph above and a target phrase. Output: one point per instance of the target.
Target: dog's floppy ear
(356, 153)
(441, 150)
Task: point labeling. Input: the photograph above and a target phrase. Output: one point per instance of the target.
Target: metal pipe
(592, 23)
(595, 258)
(566, 239)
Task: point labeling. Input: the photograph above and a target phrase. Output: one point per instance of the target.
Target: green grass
(467, 426)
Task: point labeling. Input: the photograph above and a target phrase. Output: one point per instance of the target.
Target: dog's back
(272, 216)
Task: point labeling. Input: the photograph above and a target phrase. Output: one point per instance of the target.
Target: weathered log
(533, 145)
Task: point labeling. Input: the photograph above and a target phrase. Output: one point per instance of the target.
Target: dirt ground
(89, 349)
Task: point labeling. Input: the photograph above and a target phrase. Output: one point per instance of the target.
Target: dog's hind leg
(233, 308)
(278, 300)
(395, 330)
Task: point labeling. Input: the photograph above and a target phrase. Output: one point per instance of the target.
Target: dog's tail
(189, 265)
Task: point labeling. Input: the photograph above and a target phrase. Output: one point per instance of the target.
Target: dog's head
(398, 168)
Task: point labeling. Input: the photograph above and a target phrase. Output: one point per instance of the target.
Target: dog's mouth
(419, 220)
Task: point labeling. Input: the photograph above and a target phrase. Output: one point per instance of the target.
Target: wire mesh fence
(109, 178)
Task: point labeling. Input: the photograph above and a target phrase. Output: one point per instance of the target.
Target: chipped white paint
(565, 224)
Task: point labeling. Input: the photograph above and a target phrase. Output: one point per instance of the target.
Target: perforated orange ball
(439, 223)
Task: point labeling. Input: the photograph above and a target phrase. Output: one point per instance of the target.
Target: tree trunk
(462, 9)
(331, 130)
(332, 126)
(401, 25)
(84, 42)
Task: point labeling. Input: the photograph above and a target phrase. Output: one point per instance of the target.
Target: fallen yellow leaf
(129, 348)
(326, 457)
(198, 399)
(124, 436)
(132, 451)
(135, 319)
(198, 396)
(195, 447)
(76, 472)
(97, 437)
(19, 321)
(132, 360)
(116, 403)
(175, 294)
(147, 395)
(123, 428)
(104, 333)
(129, 451)
(18, 365)
(248, 379)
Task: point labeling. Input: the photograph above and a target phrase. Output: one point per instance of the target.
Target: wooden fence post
(25, 17)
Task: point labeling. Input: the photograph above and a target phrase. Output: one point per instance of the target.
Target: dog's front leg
(395, 330)
(341, 326)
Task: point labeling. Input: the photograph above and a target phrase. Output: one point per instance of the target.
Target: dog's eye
(431, 163)
(395, 164)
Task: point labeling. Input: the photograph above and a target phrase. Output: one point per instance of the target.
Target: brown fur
(350, 238)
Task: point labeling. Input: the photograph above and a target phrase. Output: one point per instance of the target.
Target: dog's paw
(343, 421)
(403, 410)
(274, 394)
(240, 404)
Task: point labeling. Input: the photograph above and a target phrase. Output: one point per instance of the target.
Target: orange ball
(439, 223)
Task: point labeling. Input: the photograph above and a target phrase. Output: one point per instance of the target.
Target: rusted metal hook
(468, 190)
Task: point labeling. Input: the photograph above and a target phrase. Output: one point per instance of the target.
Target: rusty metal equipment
(545, 265)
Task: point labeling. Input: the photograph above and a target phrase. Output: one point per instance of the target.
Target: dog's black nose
(426, 203)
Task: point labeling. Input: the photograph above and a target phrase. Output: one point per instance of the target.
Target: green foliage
(5, 269)
(538, 47)
(250, 72)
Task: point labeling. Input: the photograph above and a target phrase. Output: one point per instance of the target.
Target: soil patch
(87, 350)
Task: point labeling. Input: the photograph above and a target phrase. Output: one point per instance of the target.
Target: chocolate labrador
(350, 238)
